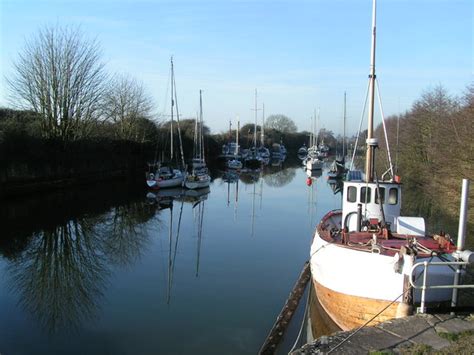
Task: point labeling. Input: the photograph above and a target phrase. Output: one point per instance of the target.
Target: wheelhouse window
(365, 194)
(393, 196)
(351, 194)
(382, 195)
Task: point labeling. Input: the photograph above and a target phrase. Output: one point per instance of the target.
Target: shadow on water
(60, 247)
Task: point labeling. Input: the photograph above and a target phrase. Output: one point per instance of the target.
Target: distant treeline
(435, 152)
(32, 160)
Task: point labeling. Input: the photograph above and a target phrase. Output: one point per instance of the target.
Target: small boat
(235, 163)
(314, 164)
(199, 177)
(165, 175)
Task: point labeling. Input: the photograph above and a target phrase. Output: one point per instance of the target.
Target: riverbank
(417, 334)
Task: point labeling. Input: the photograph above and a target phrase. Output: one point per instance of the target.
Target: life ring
(151, 176)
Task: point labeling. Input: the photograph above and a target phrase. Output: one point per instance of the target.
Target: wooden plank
(278, 330)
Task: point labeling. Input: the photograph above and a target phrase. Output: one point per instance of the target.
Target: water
(96, 271)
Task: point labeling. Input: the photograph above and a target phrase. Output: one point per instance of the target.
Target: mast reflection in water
(121, 270)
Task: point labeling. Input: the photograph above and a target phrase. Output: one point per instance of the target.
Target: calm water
(114, 270)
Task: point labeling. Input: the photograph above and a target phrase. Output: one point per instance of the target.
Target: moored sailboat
(235, 163)
(166, 175)
(362, 255)
(199, 177)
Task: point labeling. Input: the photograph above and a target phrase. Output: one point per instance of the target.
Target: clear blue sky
(300, 55)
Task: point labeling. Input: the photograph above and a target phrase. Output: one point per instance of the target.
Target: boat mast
(236, 152)
(177, 120)
(262, 136)
(200, 144)
(344, 130)
(172, 109)
(371, 143)
(255, 127)
(318, 129)
(195, 141)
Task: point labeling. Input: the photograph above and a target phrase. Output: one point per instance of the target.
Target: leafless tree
(126, 104)
(281, 123)
(60, 75)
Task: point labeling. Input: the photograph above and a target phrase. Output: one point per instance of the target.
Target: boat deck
(385, 243)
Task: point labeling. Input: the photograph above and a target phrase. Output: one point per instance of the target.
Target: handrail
(424, 287)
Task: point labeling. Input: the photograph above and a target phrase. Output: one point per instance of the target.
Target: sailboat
(235, 163)
(263, 152)
(165, 175)
(253, 159)
(362, 255)
(337, 170)
(199, 177)
(312, 161)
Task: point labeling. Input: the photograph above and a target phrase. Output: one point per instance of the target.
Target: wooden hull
(350, 312)
(354, 284)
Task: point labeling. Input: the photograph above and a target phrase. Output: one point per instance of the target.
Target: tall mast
(369, 163)
(201, 145)
(196, 135)
(344, 130)
(172, 109)
(255, 127)
(177, 119)
(237, 137)
(317, 130)
(262, 136)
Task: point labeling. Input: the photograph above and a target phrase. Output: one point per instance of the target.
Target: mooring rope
(371, 319)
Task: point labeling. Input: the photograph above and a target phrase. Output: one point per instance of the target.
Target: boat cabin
(377, 204)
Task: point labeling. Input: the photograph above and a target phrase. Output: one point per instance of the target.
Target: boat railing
(424, 285)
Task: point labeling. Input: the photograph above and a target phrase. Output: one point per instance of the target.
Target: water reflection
(336, 185)
(60, 277)
(280, 178)
(60, 270)
(167, 200)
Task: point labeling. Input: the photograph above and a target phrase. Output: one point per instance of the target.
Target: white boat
(361, 256)
(198, 180)
(314, 164)
(235, 163)
(165, 176)
(199, 177)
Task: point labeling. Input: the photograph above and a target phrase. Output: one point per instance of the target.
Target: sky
(300, 55)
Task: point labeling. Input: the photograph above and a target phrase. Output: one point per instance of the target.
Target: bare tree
(281, 123)
(126, 104)
(60, 75)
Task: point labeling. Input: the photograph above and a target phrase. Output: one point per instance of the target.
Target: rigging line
(177, 119)
(360, 126)
(389, 156)
(306, 310)
(371, 319)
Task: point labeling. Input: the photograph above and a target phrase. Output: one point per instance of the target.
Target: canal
(115, 269)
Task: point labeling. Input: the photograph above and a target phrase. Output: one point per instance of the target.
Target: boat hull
(312, 164)
(350, 312)
(199, 184)
(354, 285)
(172, 182)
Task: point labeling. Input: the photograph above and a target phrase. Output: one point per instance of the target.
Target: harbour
(219, 295)
(135, 225)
